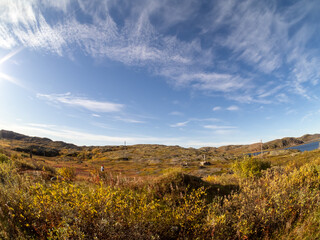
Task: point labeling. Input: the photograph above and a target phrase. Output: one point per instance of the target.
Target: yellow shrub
(250, 167)
(67, 173)
(266, 205)
(210, 179)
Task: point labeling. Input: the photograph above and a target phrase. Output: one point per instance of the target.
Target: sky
(190, 73)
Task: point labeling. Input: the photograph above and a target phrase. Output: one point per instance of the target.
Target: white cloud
(217, 127)
(185, 123)
(282, 98)
(180, 124)
(233, 108)
(256, 35)
(259, 38)
(6, 77)
(95, 115)
(10, 55)
(92, 105)
(10, 79)
(217, 108)
(128, 120)
(59, 5)
(136, 43)
(207, 81)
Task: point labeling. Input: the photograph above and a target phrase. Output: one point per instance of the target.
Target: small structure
(205, 163)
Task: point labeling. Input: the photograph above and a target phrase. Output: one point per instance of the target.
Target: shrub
(250, 167)
(306, 228)
(24, 164)
(63, 210)
(265, 206)
(210, 178)
(67, 173)
(4, 158)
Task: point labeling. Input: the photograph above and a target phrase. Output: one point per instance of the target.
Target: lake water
(302, 148)
(306, 147)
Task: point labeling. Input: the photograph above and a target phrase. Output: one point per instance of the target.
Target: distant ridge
(230, 149)
(271, 145)
(10, 135)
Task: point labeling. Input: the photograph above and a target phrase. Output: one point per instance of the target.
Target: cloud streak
(185, 123)
(92, 105)
(217, 127)
(258, 41)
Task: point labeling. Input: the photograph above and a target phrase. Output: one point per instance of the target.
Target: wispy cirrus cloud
(7, 77)
(10, 55)
(213, 81)
(137, 42)
(236, 48)
(73, 101)
(180, 124)
(185, 123)
(218, 127)
(128, 120)
(230, 108)
(221, 130)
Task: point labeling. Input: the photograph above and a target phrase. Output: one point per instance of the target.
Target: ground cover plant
(274, 197)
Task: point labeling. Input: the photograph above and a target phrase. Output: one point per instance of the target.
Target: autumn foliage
(273, 202)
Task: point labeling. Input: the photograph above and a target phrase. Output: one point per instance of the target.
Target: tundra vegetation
(273, 196)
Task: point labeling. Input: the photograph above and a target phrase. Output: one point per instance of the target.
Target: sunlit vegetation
(274, 196)
(250, 167)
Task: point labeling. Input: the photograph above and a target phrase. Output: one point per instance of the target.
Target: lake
(302, 148)
(306, 147)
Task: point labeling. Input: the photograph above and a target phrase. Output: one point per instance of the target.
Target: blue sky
(189, 73)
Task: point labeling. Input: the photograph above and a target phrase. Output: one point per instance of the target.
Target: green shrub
(4, 158)
(250, 167)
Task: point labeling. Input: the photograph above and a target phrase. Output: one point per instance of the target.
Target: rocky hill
(47, 147)
(35, 145)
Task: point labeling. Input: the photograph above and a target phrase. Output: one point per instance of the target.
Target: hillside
(136, 160)
(157, 192)
(47, 147)
(10, 135)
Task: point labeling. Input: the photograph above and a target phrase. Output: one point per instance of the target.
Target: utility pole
(261, 148)
(124, 151)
